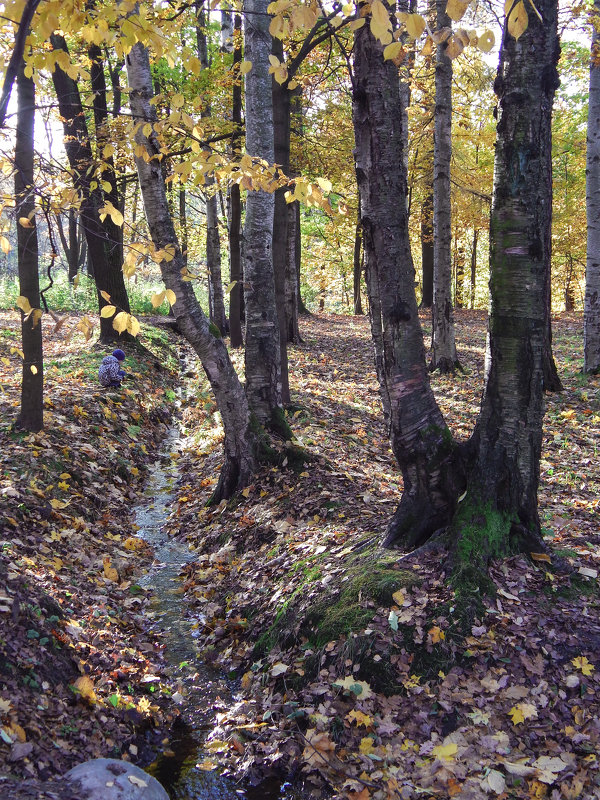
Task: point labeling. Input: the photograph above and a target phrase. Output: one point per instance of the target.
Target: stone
(111, 779)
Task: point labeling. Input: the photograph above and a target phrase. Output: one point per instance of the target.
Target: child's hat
(119, 355)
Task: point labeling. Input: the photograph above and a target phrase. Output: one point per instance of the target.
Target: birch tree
(591, 319)
(229, 394)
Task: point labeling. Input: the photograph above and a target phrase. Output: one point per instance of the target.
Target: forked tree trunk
(500, 510)
(263, 352)
(192, 322)
(591, 314)
(105, 258)
(443, 348)
(32, 386)
(235, 215)
(419, 436)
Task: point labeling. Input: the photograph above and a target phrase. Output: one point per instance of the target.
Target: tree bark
(443, 348)
(427, 249)
(500, 511)
(357, 265)
(235, 215)
(282, 111)
(419, 437)
(263, 352)
(104, 256)
(213, 240)
(591, 313)
(229, 394)
(291, 275)
(473, 267)
(32, 386)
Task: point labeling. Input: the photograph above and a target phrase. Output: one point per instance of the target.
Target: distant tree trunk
(569, 287)
(104, 257)
(263, 352)
(32, 386)
(231, 401)
(459, 272)
(113, 232)
(282, 111)
(235, 216)
(427, 249)
(473, 266)
(226, 29)
(71, 243)
(443, 348)
(591, 312)
(183, 227)
(358, 265)
(291, 270)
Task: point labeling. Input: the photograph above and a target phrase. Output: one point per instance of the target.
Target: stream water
(204, 688)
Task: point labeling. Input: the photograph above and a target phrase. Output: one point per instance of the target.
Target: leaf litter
(354, 675)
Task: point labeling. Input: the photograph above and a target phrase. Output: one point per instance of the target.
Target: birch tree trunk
(235, 215)
(213, 239)
(443, 348)
(500, 511)
(32, 385)
(229, 394)
(104, 256)
(419, 436)
(591, 314)
(263, 353)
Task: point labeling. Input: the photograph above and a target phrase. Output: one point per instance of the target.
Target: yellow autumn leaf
(581, 663)
(105, 295)
(109, 571)
(133, 325)
(25, 222)
(392, 51)
(170, 295)
(415, 25)
(399, 597)
(541, 557)
(177, 101)
(456, 9)
(436, 634)
(517, 18)
(157, 299)
(245, 67)
(107, 311)
(366, 746)
(33, 369)
(486, 41)
(57, 563)
(120, 321)
(85, 687)
(134, 543)
(24, 304)
(4, 244)
(359, 718)
(445, 752)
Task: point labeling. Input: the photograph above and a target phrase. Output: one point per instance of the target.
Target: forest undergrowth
(357, 676)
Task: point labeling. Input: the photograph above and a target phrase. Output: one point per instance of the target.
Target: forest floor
(355, 675)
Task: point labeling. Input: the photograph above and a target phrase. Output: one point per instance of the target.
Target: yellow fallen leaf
(399, 597)
(85, 687)
(436, 634)
(366, 746)
(446, 751)
(541, 557)
(134, 543)
(581, 663)
(109, 571)
(359, 718)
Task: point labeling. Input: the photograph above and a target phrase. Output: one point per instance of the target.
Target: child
(110, 372)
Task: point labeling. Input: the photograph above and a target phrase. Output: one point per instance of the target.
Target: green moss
(329, 619)
(279, 424)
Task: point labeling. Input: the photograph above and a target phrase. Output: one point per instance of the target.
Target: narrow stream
(204, 688)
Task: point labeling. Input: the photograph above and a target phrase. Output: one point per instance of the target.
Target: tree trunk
(104, 257)
(427, 249)
(358, 265)
(291, 278)
(500, 512)
(32, 386)
(235, 216)
(282, 111)
(419, 437)
(591, 313)
(473, 267)
(443, 349)
(193, 323)
(213, 240)
(263, 352)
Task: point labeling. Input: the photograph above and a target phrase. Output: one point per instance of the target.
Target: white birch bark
(591, 318)
(262, 357)
(193, 323)
(443, 348)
